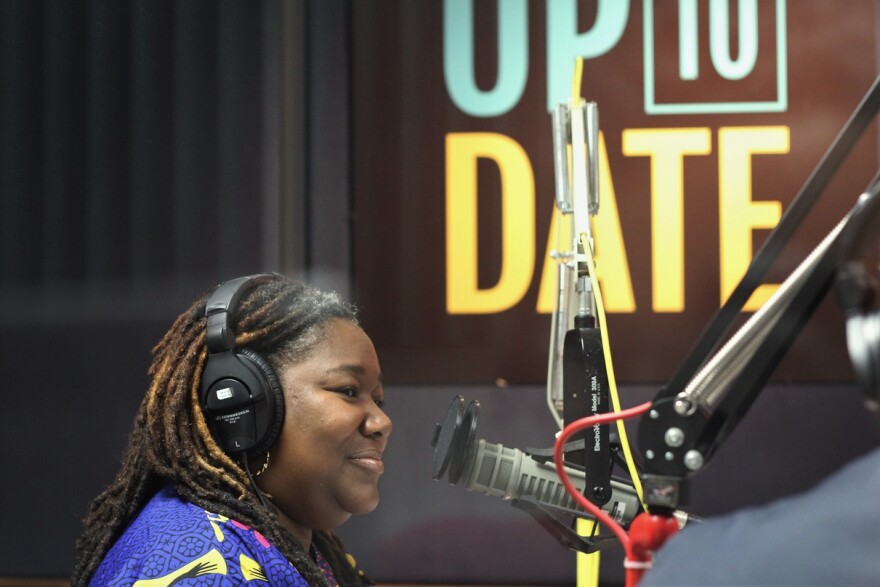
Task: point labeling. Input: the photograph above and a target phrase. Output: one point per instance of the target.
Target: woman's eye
(348, 391)
(380, 403)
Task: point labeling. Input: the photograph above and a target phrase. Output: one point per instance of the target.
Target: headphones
(856, 290)
(240, 394)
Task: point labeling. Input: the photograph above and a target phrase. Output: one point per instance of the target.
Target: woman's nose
(377, 422)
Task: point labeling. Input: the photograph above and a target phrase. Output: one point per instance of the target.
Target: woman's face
(327, 462)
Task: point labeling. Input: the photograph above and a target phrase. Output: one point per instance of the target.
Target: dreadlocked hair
(170, 441)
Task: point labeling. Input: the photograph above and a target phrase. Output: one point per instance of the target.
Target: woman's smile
(369, 459)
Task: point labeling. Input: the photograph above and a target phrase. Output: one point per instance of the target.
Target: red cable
(632, 575)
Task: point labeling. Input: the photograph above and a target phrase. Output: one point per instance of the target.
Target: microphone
(511, 474)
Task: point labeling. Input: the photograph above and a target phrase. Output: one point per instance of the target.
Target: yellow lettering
(463, 295)
(667, 148)
(612, 267)
(738, 214)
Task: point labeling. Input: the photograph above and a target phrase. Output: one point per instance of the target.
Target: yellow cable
(612, 382)
(587, 564)
(603, 327)
(576, 79)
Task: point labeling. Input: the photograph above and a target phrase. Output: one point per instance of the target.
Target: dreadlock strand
(158, 374)
(181, 323)
(237, 483)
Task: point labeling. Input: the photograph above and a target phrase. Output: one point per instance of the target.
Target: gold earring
(263, 468)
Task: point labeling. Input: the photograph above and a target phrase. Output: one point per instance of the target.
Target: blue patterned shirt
(173, 542)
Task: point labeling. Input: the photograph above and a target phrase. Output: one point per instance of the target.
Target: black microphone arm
(692, 416)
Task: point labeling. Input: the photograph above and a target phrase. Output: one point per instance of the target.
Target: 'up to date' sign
(665, 66)
(711, 113)
(754, 40)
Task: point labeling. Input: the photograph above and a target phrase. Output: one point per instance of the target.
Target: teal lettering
(688, 48)
(719, 24)
(459, 57)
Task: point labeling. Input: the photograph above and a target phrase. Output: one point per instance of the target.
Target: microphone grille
(487, 467)
(505, 469)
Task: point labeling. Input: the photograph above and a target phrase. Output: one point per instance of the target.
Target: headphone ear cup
(268, 426)
(855, 289)
(863, 343)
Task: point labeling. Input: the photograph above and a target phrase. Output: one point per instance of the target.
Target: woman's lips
(370, 460)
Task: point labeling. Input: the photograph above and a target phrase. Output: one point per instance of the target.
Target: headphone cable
(244, 463)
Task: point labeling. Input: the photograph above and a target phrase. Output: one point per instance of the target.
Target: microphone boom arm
(681, 433)
(689, 420)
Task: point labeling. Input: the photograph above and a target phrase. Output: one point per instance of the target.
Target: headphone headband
(221, 305)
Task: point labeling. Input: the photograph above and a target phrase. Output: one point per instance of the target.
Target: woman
(268, 375)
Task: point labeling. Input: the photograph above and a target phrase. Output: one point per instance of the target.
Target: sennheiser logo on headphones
(224, 393)
(232, 418)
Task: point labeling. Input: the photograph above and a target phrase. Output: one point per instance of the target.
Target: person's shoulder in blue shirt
(171, 541)
(829, 535)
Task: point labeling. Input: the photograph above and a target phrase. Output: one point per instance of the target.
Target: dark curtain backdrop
(141, 149)
(131, 140)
